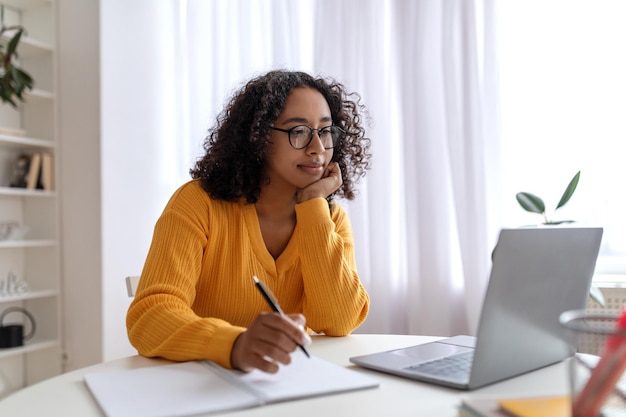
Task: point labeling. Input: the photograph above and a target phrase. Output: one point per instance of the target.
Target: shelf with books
(28, 169)
(30, 249)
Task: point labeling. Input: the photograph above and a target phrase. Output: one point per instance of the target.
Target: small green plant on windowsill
(14, 81)
(534, 204)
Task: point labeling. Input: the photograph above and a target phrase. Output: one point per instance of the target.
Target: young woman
(260, 204)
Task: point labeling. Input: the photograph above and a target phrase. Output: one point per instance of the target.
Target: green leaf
(13, 43)
(27, 80)
(569, 190)
(13, 80)
(17, 81)
(531, 202)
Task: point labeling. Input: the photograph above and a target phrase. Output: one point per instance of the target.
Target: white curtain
(421, 221)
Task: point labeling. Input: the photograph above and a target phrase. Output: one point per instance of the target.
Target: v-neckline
(258, 244)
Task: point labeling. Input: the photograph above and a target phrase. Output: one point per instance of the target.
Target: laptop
(536, 274)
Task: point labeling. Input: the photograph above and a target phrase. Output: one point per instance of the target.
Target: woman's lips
(312, 168)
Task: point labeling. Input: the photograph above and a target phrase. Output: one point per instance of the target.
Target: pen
(273, 304)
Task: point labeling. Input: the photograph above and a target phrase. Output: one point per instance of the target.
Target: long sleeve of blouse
(196, 293)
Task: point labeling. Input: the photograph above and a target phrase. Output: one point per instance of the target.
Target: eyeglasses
(301, 136)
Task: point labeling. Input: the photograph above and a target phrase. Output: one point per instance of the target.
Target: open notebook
(537, 274)
(198, 387)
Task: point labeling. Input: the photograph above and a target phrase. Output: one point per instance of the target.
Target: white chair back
(131, 284)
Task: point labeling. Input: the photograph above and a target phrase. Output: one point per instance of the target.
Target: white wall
(139, 144)
(119, 159)
(78, 157)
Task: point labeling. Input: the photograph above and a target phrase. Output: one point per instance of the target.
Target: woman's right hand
(268, 341)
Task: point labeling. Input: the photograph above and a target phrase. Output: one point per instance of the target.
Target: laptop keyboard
(456, 367)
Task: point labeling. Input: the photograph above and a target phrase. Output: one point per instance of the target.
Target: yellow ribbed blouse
(196, 292)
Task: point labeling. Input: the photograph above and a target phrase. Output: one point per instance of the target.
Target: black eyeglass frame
(311, 130)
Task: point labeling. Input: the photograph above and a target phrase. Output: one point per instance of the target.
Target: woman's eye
(298, 131)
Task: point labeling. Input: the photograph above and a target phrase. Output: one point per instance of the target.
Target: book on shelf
(548, 406)
(46, 171)
(197, 387)
(33, 171)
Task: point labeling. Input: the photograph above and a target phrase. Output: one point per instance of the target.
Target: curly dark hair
(232, 166)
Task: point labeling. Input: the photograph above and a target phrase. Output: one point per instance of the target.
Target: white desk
(66, 395)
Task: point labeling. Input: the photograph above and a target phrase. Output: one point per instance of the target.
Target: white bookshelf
(33, 255)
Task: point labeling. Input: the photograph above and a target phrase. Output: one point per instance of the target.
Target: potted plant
(534, 204)
(14, 81)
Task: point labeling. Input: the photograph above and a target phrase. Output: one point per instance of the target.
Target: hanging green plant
(14, 81)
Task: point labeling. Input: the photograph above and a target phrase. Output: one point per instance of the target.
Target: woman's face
(298, 168)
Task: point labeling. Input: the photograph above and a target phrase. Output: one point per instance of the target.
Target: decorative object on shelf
(12, 335)
(534, 204)
(14, 81)
(12, 230)
(20, 171)
(13, 285)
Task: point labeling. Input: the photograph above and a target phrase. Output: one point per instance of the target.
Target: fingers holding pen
(286, 332)
(268, 342)
(301, 337)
